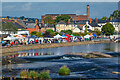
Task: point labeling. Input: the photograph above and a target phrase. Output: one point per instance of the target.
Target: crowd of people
(28, 41)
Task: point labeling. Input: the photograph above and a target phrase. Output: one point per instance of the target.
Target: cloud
(26, 6)
(60, 0)
(9, 7)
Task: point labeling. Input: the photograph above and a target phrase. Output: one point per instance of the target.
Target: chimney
(110, 18)
(90, 20)
(75, 21)
(88, 11)
(36, 21)
(95, 20)
(68, 21)
(12, 18)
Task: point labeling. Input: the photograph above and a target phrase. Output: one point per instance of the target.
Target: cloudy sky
(60, 0)
(35, 9)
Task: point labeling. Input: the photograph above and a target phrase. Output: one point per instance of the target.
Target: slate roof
(30, 25)
(18, 26)
(61, 22)
(94, 24)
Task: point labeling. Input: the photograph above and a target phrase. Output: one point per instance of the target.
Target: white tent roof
(87, 36)
(58, 36)
(10, 38)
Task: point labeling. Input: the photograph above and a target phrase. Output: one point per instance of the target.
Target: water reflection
(106, 47)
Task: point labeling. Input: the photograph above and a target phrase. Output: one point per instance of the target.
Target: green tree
(38, 34)
(33, 33)
(67, 31)
(97, 31)
(49, 20)
(76, 34)
(9, 27)
(86, 29)
(62, 18)
(104, 18)
(108, 29)
(115, 14)
(49, 30)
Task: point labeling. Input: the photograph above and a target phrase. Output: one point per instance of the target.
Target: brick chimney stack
(110, 18)
(90, 20)
(95, 20)
(88, 11)
(68, 21)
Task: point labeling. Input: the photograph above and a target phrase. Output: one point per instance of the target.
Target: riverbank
(11, 50)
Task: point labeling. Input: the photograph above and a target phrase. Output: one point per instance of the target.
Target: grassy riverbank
(11, 50)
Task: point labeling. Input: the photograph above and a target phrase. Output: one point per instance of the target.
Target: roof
(102, 21)
(94, 24)
(31, 25)
(79, 22)
(61, 22)
(18, 26)
(58, 14)
(46, 25)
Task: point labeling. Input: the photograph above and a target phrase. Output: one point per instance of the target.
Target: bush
(44, 75)
(24, 74)
(33, 74)
(64, 70)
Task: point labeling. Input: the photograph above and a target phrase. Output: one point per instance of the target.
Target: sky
(36, 9)
(60, 0)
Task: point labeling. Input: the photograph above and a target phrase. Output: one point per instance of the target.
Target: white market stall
(58, 36)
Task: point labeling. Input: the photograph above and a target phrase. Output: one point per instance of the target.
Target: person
(12, 43)
(36, 41)
(40, 41)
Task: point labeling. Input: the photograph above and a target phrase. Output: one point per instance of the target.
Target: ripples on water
(80, 67)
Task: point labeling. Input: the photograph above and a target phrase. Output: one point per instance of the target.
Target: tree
(67, 31)
(104, 18)
(52, 34)
(115, 14)
(49, 20)
(38, 34)
(9, 27)
(64, 18)
(49, 30)
(33, 33)
(97, 31)
(108, 29)
(86, 29)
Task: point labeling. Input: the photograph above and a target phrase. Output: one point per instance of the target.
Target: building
(33, 27)
(63, 26)
(73, 16)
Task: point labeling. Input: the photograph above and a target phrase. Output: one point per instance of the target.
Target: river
(53, 58)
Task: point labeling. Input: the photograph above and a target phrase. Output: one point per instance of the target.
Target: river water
(53, 58)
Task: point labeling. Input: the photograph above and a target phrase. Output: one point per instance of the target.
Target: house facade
(63, 26)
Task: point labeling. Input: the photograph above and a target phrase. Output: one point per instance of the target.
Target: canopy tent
(63, 36)
(94, 35)
(72, 35)
(10, 38)
(58, 36)
(20, 37)
(87, 36)
(68, 36)
(33, 36)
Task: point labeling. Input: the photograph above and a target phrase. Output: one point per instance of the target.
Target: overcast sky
(60, 0)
